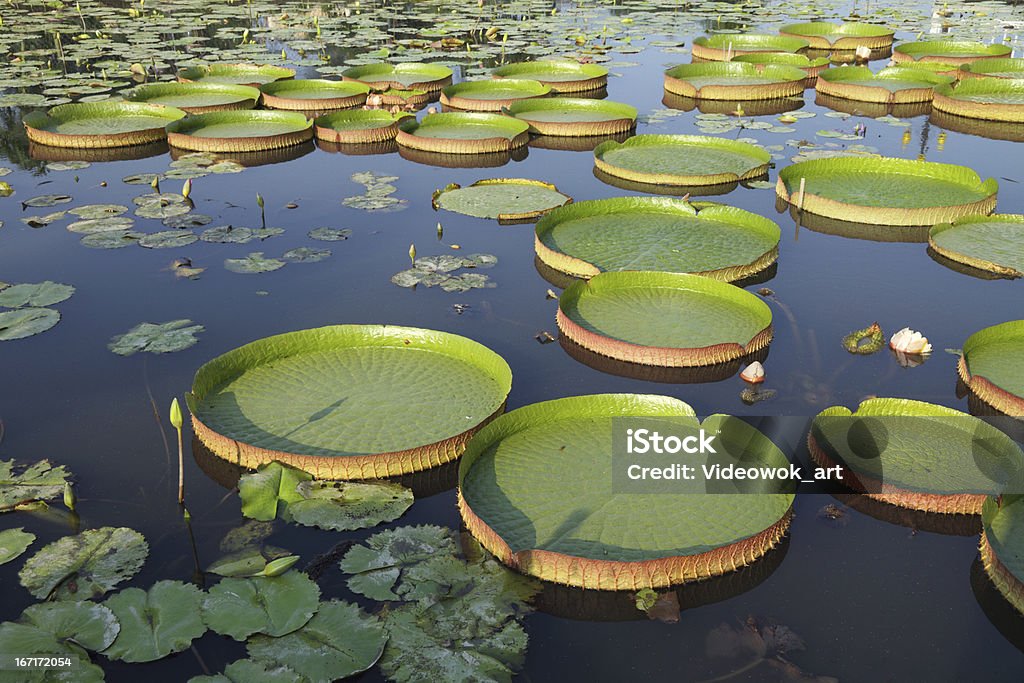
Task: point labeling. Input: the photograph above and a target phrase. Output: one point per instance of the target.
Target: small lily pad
(227, 234)
(161, 205)
(86, 565)
(167, 239)
(330, 234)
(112, 239)
(168, 337)
(506, 199)
(39, 481)
(380, 564)
(98, 210)
(252, 671)
(43, 221)
(306, 255)
(13, 542)
(89, 226)
(253, 263)
(155, 623)
(25, 322)
(45, 293)
(274, 606)
(187, 220)
(47, 200)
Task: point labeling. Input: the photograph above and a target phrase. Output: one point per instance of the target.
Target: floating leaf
(267, 493)
(25, 322)
(42, 221)
(161, 205)
(39, 481)
(248, 561)
(90, 226)
(187, 220)
(246, 535)
(253, 263)
(339, 641)
(156, 623)
(39, 294)
(47, 200)
(306, 255)
(227, 234)
(59, 629)
(86, 565)
(13, 542)
(168, 239)
(67, 165)
(168, 337)
(98, 210)
(141, 179)
(379, 565)
(431, 271)
(251, 671)
(274, 606)
(86, 624)
(343, 506)
(330, 234)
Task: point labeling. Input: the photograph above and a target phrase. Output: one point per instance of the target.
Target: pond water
(874, 600)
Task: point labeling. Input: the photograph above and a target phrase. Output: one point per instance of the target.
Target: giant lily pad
(45, 293)
(653, 233)
(823, 35)
(175, 335)
(992, 366)
(491, 95)
(13, 542)
(338, 642)
(916, 455)
(275, 606)
(574, 117)
(886, 191)
(314, 94)
(562, 75)
(509, 200)
(364, 405)
(594, 538)
(197, 98)
(403, 76)
(101, 124)
(463, 133)
(1010, 67)
(893, 85)
(948, 51)
(40, 481)
(724, 46)
(253, 75)
(664, 319)
(1002, 549)
(358, 126)
(684, 160)
(735, 81)
(240, 131)
(991, 99)
(812, 66)
(157, 622)
(992, 243)
(25, 322)
(86, 565)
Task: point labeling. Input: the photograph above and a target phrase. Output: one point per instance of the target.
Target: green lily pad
(1002, 550)
(43, 221)
(168, 239)
(463, 133)
(506, 199)
(406, 75)
(25, 322)
(431, 271)
(89, 226)
(723, 46)
(251, 671)
(593, 538)
(155, 623)
(111, 239)
(358, 126)
(990, 99)
(949, 50)
(339, 641)
(992, 366)
(339, 425)
(274, 606)
(227, 234)
(380, 565)
(98, 210)
(305, 255)
(195, 98)
(665, 319)
(14, 542)
(887, 191)
(86, 565)
(491, 94)
(267, 492)
(313, 94)
(253, 263)
(649, 233)
(186, 221)
(47, 200)
(235, 74)
(240, 130)
(161, 205)
(994, 243)
(45, 293)
(100, 124)
(247, 561)
(330, 234)
(574, 117)
(995, 68)
(917, 447)
(683, 160)
(563, 75)
(65, 624)
(175, 335)
(848, 35)
(893, 84)
(36, 482)
(734, 81)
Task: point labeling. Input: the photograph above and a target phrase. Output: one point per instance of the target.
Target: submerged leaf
(168, 337)
(156, 623)
(274, 606)
(86, 565)
(379, 565)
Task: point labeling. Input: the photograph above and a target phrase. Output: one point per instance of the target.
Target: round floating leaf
(86, 624)
(343, 506)
(507, 199)
(156, 623)
(168, 239)
(240, 131)
(492, 94)
(358, 126)
(405, 75)
(915, 454)
(305, 255)
(681, 160)
(268, 491)
(253, 263)
(994, 243)
(330, 234)
(235, 74)
(39, 481)
(563, 75)
(464, 133)
(188, 220)
(89, 226)
(380, 565)
(227, 234)
(994, 68)
(314, 94)
(100, 124)
(47, 200)
(991, 99)
(38, 294)
(949, 51)
(274, 606)
(59, 629)
(664, 319)
(13, 542)
(734, 81)
(338, 425)
(161, 205)
(649, 233)
(25, 322)
(723, 46)
(339, 641)
(43, 221)
(111, 239)
(892, 85)
(251, 671)
(594, 538)
(1002, 546)
(574, 117)
(168, 337)
(848, 35)
(98, 210)
(86, 565)
(195, 98)
(886, 191)
(992, 366)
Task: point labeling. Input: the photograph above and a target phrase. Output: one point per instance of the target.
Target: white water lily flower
(753, 373)
(863, 52)
(910, 341)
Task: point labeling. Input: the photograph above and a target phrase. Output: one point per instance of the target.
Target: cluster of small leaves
(30, 302)
(378, 193)
(168, 337)
(431, 271)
